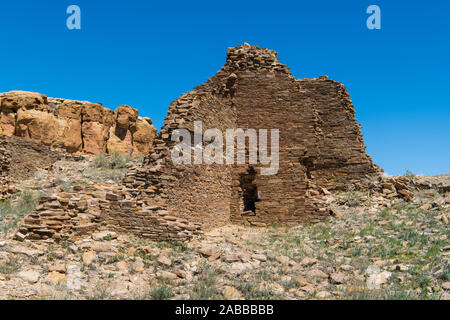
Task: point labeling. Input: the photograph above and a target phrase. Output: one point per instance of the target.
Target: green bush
(114, 161)
(119, 161)
(162, 292)
(11, 212)
(101, 161)
(10, 266)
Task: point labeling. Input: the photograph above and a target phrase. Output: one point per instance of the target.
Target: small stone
(440, 201)
(165, 261)
(298, 293)
(307, 262)
(166, 275)
(55, 277)
(103, 235)
(401, 267)
(426, 207)
(259, 257)
(61, 268)
(209, 252)
(131, 251)
(181, 273)
(122, 266)
(276, 288)
(89, 257)
(336, 213)
(25, 251)
(73, 248)
(231, 293)
(112, 197)
(323, 295)
(446, 286)
(373, 269)
(346, 267)
(317, 274)
(30, 276)
(375, 281)
(283, 260)
(213, 234)
(338, 277)
(238, 267)
(20, 236)
(73, 277)
(229, 258)
(309, 288)
(302, 281)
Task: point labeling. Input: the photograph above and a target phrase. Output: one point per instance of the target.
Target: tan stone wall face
(76, 126)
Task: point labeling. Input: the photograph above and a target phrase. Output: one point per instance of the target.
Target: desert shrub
(13, 210)
(410, 174)
(101, 161)
(108, 167)
(162, 292)
(12, 265)
(119, 161)
(205, 287)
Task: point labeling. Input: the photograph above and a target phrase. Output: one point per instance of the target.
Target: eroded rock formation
(76, 126)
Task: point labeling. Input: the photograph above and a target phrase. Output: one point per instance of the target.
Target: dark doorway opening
(249, 190)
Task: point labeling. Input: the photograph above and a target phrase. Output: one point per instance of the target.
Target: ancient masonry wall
(20, 159)
(320, 147)
(321, 144)
(66, 216)
(5, 158)
(200, 193)
(76, 126)
(339, 158)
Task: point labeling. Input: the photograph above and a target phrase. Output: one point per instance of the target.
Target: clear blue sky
(146, 53)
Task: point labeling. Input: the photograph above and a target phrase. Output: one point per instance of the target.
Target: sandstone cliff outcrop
(76, 126)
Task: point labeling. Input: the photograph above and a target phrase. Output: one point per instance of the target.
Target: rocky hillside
(379, 244)
(76, 126)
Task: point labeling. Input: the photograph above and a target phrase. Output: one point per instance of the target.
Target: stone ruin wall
(66, 216)
(320, 141)
(76, 126)
(20, 159)
(339, 158)
(199, 193)
(5, 158)
(321, 146)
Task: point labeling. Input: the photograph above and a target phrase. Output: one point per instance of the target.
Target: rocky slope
(76, 126)
(387, 239)
(367, 251)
